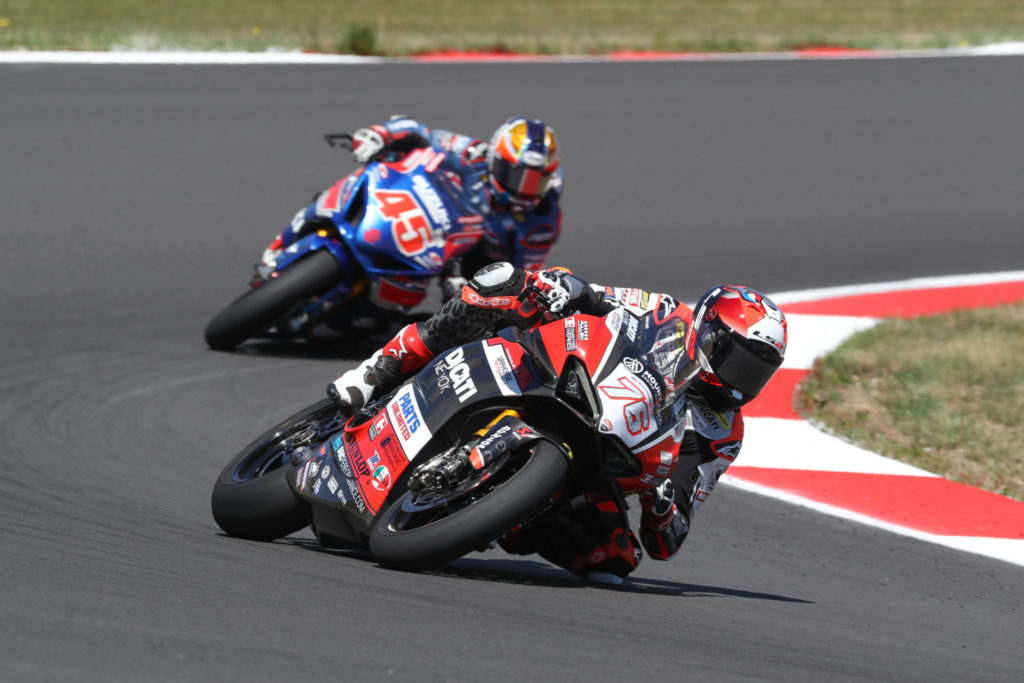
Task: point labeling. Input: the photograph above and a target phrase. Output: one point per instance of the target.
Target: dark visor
(740, 368)
(522, 182)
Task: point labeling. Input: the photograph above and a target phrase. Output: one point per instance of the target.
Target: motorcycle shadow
(334, 350)
(528, 572)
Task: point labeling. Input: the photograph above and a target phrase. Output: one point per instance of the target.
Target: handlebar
(342, 140)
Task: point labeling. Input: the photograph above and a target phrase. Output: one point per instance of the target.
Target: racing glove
(552, 289)
(451, 286)
(368, 143)
(663, 526)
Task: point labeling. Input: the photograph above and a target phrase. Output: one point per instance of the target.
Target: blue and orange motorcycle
(369, 247)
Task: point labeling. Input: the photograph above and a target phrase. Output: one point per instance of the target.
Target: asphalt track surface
(133, 201)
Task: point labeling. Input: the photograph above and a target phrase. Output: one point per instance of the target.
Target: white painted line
(812, 336)
(180, 57)
(1008, 550)
(797, 445)
(896, 286)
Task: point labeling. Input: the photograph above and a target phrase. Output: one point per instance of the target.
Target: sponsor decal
(406, 415)
(374, 459)
(406, 418)
(300, 477)
(314, 467)
(343, 465)
(357, 498)
(709, 417)
(381, 478)
(378, 426)
(432, 201)
(503, 371)
(606, 425)
(729, 450)
(460, 375)
(393, 455)
(332, 484)
(360, 464)
(326, 472)
(583, 330)
(316, 486)
(524, 432)
(637, 368)
(570, 334)
(493, 437)
(483, 302)
(632, 325)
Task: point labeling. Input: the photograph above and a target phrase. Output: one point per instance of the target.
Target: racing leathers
(590, 535)
(523, 236)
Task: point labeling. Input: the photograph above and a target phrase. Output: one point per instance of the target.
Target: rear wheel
(259, 308)
(421, 529)
(252, 498)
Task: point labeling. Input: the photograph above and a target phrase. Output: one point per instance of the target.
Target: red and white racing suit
(591, 533)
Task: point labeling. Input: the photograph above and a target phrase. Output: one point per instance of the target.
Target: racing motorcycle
(488, 438)
(379, 236)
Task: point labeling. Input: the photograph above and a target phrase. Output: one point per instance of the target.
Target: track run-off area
(797, 463)
(136, 197)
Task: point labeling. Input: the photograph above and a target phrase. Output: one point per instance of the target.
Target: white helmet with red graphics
(740, 341)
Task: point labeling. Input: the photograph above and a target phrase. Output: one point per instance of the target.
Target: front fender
(311, 243)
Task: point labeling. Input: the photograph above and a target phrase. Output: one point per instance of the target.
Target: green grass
(402, 27)
(943, 393)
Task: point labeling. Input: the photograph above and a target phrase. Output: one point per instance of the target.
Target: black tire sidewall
(265, 507)
(258, 309)
(516, 500)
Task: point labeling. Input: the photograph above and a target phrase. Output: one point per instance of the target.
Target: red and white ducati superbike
(488, 437)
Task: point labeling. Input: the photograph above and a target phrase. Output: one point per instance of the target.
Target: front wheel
(259, 308)
(412, 536)
(252, 498)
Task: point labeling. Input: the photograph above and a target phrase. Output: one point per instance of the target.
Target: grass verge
(943, 393)
(403, 27)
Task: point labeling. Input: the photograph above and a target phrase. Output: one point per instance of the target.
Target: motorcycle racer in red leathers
(514, 183)
(713, 359)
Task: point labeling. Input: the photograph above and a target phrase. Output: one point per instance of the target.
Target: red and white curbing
(785, 457)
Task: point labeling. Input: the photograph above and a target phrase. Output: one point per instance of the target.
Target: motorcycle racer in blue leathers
(514, 183)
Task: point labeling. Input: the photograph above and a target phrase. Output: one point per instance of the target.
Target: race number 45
(409, 224)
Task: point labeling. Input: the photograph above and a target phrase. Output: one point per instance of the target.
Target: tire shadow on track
(540, 573)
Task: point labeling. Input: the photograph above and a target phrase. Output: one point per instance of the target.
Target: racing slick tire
(418, 540)
(261, 307)
(252, 497)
